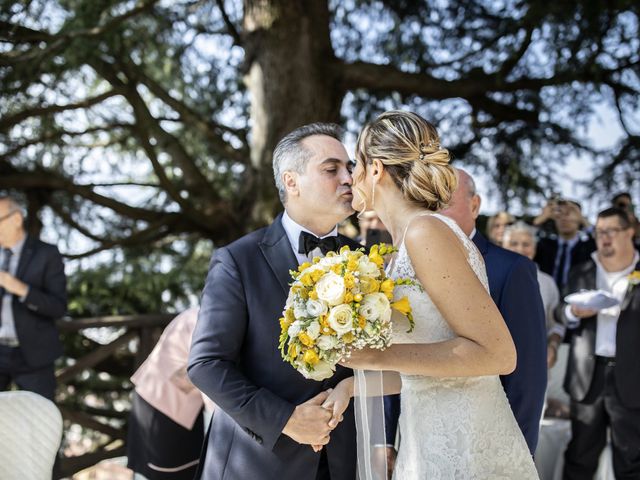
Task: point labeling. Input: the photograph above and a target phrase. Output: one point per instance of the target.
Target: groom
(269, 415)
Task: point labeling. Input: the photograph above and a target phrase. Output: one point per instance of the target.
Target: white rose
(341, 319)
(367, 268)
(326, 342)
(321, 371)
(375, 306)
(313, 330)
(316, 308)
(328, 261)
(330, 288)
(299, 310)
(294, 329)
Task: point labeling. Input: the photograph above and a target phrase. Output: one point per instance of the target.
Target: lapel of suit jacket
(276, 248)
(481, 242)
(630, 291)
(25, 256)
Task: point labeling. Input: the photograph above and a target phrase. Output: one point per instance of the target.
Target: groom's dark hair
(290, 154)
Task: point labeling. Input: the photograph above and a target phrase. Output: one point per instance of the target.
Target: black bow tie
(307, 242)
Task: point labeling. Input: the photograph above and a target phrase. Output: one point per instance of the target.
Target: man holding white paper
(603, 370)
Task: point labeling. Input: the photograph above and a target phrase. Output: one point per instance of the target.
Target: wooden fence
(141, 329)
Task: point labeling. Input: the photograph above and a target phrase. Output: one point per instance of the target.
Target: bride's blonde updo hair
(409, 148)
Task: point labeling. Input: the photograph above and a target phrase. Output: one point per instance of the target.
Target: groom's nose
(346, 178)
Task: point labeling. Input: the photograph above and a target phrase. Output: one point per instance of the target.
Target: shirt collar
(16, 250)
(473, 233)
(570, 243)
(294, 229)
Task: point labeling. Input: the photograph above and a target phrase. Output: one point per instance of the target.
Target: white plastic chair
(30, 435)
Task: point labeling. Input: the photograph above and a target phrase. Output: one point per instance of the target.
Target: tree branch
(12, 120)
(237, 38)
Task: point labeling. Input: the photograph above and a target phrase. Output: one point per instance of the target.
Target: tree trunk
(288, 43)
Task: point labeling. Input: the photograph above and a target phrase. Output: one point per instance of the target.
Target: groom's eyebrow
(334, 160)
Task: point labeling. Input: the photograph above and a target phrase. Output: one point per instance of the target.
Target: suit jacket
(513, 285)
(235, 360)
(581, 363)
(41, 268)
(547, 249)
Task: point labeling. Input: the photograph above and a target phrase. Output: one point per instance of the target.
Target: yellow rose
(337, 269)
(369, 285)
(362, 322)
(349, 281)
(305, 339)
(310, 357)
(403, 306)
(313, 295)
(293, 350)
(348, 297)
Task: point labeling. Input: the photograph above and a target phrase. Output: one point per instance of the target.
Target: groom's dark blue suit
(513, 285)
(235, 360)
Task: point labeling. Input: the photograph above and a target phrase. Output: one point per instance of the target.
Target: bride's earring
(364, 205)
(373, 196)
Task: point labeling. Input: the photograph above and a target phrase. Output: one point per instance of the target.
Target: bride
(455, 420)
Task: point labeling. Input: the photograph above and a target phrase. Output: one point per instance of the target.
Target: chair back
(30, 435)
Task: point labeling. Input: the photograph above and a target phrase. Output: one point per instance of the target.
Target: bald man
(33, 293)
(513, 285)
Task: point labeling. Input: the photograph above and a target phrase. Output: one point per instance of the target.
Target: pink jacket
(162, 379)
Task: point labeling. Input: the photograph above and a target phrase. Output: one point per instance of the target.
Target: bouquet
(339, 303)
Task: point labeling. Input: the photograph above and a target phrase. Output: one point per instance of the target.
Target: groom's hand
(309, 423)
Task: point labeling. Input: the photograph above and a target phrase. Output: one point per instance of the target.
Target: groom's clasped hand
(313, 421)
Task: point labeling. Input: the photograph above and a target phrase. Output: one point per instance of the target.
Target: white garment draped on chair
(30, 435)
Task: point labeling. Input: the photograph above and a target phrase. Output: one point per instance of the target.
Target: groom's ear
(290, 180)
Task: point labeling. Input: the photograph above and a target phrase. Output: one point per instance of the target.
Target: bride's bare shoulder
(428, 234)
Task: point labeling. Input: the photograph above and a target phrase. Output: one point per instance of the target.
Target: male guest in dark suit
(33, 293)
(571, 246)
(603, 372)
(513, 285)
(269, 415)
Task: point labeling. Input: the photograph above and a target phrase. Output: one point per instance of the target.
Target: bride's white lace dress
(453, 428)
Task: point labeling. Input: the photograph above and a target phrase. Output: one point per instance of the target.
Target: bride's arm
(483, 345)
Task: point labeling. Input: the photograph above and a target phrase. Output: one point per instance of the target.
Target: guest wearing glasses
(623, 202)
(603, 369)
(33, 294)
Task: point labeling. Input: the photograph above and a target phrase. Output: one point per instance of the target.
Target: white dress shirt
(293, 231)
(8, 328)
(616, 283)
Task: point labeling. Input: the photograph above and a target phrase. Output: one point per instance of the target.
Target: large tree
(136, 121)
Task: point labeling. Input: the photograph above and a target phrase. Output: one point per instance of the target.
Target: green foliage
(139, 280)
